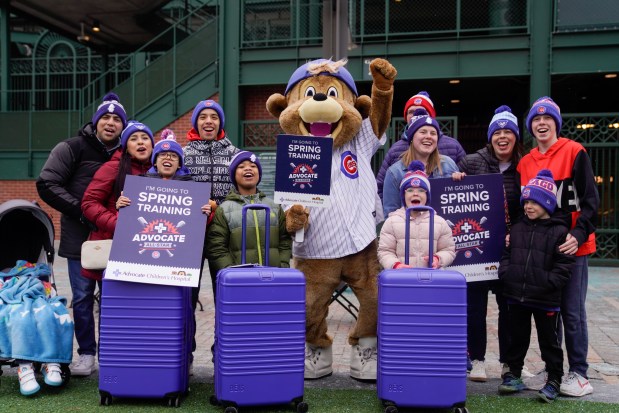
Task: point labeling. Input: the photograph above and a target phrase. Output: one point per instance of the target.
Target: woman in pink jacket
(415, 191)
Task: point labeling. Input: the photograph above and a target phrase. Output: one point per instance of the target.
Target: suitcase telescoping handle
(267, 231)
(407, 232)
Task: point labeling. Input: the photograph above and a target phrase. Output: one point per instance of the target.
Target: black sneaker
(549, 392)
(511, 384)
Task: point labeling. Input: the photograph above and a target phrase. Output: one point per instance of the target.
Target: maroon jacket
(99, 201)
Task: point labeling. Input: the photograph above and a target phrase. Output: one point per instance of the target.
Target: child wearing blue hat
(534, 272)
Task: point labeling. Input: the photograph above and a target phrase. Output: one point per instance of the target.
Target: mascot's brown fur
(321, 100)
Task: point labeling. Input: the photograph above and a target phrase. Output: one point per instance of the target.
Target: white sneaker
(537, 382)
(525, 374)
(478, 372)
(84, 366)
(576, 385)
(318, 362)
(52, 374)
(363, 359)
(27, 382)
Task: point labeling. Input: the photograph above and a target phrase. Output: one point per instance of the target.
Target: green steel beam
(5, 54)
(585, 52)
(540, 25)
(229, 67)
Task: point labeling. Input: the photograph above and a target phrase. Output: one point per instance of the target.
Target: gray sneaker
(84, 366)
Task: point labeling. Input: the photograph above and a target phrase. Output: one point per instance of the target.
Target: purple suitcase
(259, 333)
(422, 339)
(144, 341)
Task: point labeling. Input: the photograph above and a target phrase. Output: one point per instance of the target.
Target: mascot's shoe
(318, 361)
(363, 359)
(27, 382)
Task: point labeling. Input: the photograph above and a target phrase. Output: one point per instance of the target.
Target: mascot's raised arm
(321, 100)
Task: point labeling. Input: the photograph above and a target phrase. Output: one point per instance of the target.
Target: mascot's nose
(320, 96)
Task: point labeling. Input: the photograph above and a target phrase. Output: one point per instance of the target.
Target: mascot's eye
(332, 92)
(310, 91)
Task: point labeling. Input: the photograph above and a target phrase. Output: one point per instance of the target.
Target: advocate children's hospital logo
(159, 236)
(303, 174)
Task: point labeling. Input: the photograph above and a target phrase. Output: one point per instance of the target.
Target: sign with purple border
(474, 208)
(303, 170)
(159, 237)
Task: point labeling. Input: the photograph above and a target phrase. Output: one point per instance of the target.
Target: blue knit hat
(306, 71)
(503, 119)
(132, 127)
(208, 104)
(420, 118)
(167, 143)
(238, 159)
(415, 177)
(541, 189)
(545, 106)
(110, 104)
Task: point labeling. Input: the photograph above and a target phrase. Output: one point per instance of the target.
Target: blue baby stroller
(26, 235)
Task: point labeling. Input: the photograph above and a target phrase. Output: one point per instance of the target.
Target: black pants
(547, 324)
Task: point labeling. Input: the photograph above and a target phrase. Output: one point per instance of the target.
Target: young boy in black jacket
(534, 273)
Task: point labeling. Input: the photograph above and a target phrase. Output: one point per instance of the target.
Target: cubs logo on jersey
(348, 165)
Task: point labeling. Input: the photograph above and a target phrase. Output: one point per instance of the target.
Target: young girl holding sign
(415, 191)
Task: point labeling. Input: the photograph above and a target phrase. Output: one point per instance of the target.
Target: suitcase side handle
(267, 231)
(407, 232)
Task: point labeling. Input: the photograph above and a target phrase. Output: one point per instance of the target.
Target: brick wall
(255, 99)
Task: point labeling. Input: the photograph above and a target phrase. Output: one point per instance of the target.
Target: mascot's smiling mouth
(320, 116)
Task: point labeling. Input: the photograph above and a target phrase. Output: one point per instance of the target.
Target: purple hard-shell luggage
(259, 332)
(144, 341)
(422, 335)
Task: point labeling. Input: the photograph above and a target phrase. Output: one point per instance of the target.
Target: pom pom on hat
(167, 143)
(541, 189)
(503, 119)
(420, 118)
(209, 104)
(134, 126)
(110, 104)
(421, 99)
(545, 106)
(415, 177)
(239, 158)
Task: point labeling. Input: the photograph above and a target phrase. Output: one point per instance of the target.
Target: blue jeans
(574, 315)
(477, 311)
(83, 290)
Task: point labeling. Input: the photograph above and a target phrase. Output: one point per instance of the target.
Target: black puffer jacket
(532, 269)
(64, 178)
(482, 162)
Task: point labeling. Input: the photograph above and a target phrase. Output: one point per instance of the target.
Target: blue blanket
(33, 326)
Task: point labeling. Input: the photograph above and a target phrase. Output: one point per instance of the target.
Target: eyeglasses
(172, 155)
(415, 190)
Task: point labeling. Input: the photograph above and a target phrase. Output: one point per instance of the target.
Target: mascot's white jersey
(348, 225)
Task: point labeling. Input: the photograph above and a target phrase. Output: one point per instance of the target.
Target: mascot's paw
(297, 217)
(318, 361)
(383, 73)
(363, 359)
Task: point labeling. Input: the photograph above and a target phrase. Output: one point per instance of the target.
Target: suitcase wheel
(231, 409)
(174, 401)
(302, 407)
(461, 410)
(105, 399)
(391, 409)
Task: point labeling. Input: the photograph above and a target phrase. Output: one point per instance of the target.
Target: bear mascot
(321, 100)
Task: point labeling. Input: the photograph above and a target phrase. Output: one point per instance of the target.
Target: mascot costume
(321, 100)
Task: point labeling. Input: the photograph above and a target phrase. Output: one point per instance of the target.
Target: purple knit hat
(541, 189)
(420, 118)
(110, 104)
(132, 127)
(545, 106)
(208, 104)
(302, 73)
(503, 119)
(415, 177)
(238, 159)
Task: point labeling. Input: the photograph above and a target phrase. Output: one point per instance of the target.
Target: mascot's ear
(276, 104)
(363, 105)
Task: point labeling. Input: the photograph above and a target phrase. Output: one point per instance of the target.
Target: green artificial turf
(82, 395)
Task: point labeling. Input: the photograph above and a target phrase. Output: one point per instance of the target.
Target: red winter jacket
(99, 201)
